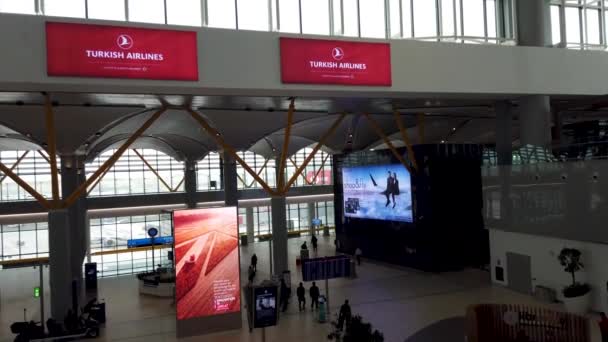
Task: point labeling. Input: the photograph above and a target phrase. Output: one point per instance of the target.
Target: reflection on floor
(399, 302)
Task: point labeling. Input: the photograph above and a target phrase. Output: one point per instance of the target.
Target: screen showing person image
(379, 192)
(206, 262)
(265, 314)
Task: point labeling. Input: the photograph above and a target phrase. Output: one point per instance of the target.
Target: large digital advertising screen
(206, 262)
(83, 50)
(321, 61)
(380, 192)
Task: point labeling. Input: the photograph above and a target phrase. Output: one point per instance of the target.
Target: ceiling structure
(89, 124)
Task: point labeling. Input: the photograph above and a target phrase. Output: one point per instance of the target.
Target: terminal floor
(399, 302)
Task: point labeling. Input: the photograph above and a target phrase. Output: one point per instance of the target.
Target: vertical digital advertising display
(206, 262)
(265, 313)
(379, 192)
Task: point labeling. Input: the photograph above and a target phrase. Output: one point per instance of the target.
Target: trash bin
(325, 230)
(244, 240)
(322, 309)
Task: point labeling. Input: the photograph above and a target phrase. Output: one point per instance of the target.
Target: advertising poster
(206, 262)
(80, 50)
(265, 314)
(320, 61)
(380, 192)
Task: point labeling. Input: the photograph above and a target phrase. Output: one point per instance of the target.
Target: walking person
(314, 296)
(251, 274)
(314, 241)
(301, 293)
(345, 315)
(284, 297)
(254, 262)
(358, 253)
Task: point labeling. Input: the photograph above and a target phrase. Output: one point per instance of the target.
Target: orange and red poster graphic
(206, 262)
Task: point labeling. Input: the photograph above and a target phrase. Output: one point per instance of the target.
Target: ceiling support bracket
(387, 141)
(321, 142)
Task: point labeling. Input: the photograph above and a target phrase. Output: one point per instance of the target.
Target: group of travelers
(314, 296)
(313, 292)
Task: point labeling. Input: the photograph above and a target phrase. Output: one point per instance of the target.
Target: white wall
(546, 269)
(247, 63)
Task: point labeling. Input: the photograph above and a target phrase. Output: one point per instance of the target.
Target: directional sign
(326, 268)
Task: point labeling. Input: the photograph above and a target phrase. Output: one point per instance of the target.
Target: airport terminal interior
(427, 170)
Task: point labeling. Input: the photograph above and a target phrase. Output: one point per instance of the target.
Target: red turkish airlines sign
(313, 61)
(120, 52)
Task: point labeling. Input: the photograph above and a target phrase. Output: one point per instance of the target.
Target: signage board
(317, 61)
(326, 268)
(82, 50)
(206, 262)
(265, 313)
(163, 240)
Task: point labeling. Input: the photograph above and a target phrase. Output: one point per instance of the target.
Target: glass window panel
(289, 16)
(406, 14)
(593, 26)
(394, 12)
(573, 31)
(373, 23)
(425, 18)
(556, 35)
(315, 17)
(473, 18)
(351, 20)
(447, 18)
(337, 17)
(184, 12)
(43, 241)
(491, 14)
(221, 13)
(253, 15)
(65, 8)
(27, 242)
(147, 11)
(18, 6)
(108, 10)
(10, 244)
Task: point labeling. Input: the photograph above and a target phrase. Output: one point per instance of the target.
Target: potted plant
(576, 295)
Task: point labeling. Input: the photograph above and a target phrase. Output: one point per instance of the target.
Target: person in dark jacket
(313, 241)
(345, 315)
(284, 299)
(314, 296)
(254, 262)
(301, 293)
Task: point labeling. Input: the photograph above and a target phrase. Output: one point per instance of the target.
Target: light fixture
(372, 149)
(454, 129)
(443, 141)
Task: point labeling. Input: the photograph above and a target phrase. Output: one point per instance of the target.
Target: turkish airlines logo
(124, 42)
(337, 53)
